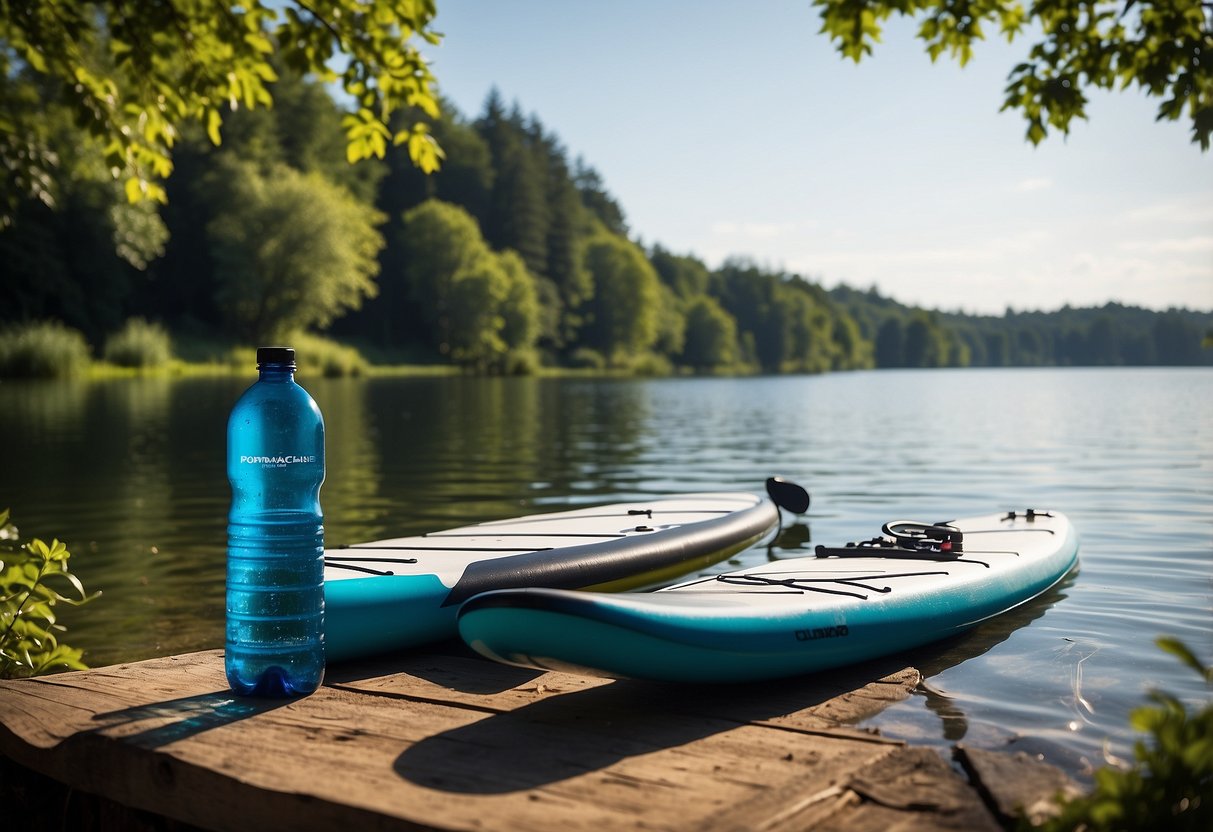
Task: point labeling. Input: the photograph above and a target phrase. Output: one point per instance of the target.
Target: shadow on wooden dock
(441, 739)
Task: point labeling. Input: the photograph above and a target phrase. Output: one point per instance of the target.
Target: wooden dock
(444, 740)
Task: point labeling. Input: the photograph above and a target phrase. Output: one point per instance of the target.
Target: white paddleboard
(790, 616)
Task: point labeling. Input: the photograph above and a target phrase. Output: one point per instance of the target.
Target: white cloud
(1035, 183)
(1183, 210)
(1175, 245)
(762, 230)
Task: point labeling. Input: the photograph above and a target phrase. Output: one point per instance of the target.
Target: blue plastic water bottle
(275, 552)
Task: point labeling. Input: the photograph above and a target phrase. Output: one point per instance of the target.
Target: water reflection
(352, 459)
(950, 714)
(791, 542)
(938, 712)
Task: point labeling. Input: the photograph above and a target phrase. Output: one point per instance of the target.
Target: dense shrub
(139, 344)
(42, 350)
(314, 355)
(584, 358)
(650, 364)
(321, 356)
(525, 361)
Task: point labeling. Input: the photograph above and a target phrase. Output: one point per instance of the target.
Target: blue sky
(727, 128)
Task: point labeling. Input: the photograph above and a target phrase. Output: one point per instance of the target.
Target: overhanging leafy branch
(1164, 47)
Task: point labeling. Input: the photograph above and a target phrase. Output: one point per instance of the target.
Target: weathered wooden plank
(901, 788)
(811, 703)
(1017, 785)
(910, 789)
(424, 740)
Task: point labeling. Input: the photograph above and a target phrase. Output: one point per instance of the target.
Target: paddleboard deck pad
(910, 585)
(403, 592)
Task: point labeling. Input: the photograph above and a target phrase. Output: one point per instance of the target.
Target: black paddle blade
(787, 494)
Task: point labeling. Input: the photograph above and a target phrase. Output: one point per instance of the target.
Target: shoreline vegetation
(512, 259)
(1113, 336)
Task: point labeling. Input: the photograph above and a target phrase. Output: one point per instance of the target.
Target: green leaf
(58, 551)
(259, 42)
(213, 122)
(1181, 651)
(1036, 131)
(133, 190)
(424, 151)
(36, 547)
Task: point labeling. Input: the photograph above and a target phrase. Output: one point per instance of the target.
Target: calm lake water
(131, 474)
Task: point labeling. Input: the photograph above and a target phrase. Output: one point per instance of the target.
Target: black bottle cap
(276, 355)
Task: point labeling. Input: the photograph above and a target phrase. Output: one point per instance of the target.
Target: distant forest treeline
(512, 257)
(1110, 335)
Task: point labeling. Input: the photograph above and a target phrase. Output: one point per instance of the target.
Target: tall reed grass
(314, 355)
(139, 344)
(320, 356)
(43, 350)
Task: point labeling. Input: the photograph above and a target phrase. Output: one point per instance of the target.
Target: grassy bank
(51, 350)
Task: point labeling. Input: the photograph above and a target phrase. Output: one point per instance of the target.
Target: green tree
(291, 251)
(440, 242)
(307, 130)
(963, 350)
(133, 74)
(854, 352)
(518, 215)
(475, 299)
(891, 344)
(997, 349)
(302, 131)
(1176, 340)
(477, 307)
(82, 258)
(711, 336)
(569, 224)
(520, 312)
(686, 275)
(671, 323)
(1160, 46)
(622, 316)
(465, 179)
(467, 175)
(805, 318)
(1101, 342)
(597, 199)
(1029, 347)
(751, 297)
(925, 344)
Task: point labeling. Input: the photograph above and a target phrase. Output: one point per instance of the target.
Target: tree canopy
(478, 306)
(1162, 47)
(132, 74)
(291, 251)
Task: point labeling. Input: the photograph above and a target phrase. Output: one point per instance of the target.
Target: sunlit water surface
(131, 474)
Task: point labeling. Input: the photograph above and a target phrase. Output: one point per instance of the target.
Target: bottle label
(276, 461)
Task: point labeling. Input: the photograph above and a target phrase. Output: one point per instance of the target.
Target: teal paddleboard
(399, 593)
(910, 585)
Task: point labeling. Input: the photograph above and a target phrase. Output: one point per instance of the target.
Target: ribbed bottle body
(275, 564)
